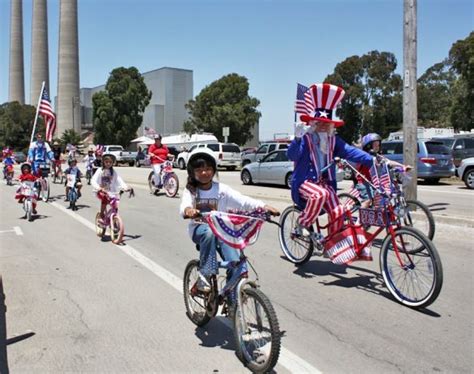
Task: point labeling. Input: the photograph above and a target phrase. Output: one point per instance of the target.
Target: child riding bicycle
(26, 176)
(74, 171)
(314, 148)
(203, 194)
(106, 180)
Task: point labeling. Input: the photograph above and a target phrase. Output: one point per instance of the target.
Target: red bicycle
(409, 261)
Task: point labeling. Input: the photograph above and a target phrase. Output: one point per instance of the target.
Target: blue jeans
(208, 249)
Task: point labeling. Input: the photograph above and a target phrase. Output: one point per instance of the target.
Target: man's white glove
(300, 129)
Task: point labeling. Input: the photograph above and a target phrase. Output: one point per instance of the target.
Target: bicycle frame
(111, 209)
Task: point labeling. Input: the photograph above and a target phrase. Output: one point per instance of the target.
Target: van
(434, 158)
(227, 155)
(461, 147)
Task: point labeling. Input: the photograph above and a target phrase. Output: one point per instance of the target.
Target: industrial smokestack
(16, 77)
(68, 104)
(39, 50)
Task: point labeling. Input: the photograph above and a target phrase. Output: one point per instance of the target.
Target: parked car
(20, 157)
(120, 155)
(461, 147)
(227, 155)
(262, 151)
(274, 168)
(465, 171)
(434, 158)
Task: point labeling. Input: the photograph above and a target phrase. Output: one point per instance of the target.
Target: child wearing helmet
(73, 170)
(106, 180)
(26, 175)
(203, 194)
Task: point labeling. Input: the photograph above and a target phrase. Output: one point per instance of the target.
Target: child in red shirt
(26, 175)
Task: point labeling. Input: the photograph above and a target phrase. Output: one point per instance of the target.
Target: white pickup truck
(121, 156)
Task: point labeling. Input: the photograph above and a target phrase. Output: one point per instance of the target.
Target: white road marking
(444, 191)
(16, 230)
(287, 359)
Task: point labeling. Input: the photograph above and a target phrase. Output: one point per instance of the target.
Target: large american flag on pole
(46, 111)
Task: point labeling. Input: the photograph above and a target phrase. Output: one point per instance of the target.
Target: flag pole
(37, 111)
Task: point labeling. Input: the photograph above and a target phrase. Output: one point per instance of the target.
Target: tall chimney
(39, 50)
(68, 106)
(16, 77)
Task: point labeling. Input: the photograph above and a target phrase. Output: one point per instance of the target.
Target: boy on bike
(89, 160)
(26, 175)
(203, 194)
(8, 161)
(74, 171)
(38, 153)
(158, 153)
(314, 148)
(56, 149)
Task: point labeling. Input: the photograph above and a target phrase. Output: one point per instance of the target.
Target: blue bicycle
(72, 194)
(256, 328)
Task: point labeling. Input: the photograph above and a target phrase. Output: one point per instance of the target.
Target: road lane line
(287, 359)
(18, 230)
(443, 191)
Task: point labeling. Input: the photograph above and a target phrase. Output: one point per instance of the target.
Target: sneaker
(66, 199)
(301, 230)
(203, 284)
(35, 211)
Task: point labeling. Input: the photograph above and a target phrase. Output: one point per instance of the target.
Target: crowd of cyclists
(313, 190)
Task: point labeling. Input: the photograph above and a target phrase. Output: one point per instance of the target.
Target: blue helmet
(368, 139)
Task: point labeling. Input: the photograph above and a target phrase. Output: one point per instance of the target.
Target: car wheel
(181, 164)
(288, 180)
(246, 177)
(469, 178)
(131, 163)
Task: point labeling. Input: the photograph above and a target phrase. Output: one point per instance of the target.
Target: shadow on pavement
(438, 206)
(216, 334)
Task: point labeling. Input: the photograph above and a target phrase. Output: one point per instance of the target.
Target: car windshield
(230, 148)
(447, 142)
(437, 148)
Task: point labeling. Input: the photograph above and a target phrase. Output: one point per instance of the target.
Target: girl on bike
(73, 170)
(106, 180)
(26, 175)
(203, 194)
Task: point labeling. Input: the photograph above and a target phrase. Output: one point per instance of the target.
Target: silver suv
(262, 151)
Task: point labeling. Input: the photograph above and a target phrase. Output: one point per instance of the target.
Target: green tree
(435, 94)
(461, 56)
(118, 110)
(373, 94)
(16, 125)
(70, 136)
(224, 103)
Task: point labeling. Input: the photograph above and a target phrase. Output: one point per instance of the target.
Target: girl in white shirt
(203, 194)
(106, 180)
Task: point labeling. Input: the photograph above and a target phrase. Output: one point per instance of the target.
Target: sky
(274, 43)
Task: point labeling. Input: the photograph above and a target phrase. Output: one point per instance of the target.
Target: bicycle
(169, 180)
(28, 191)
(8, 174)
(43, 182)
(112, 219)
(410, 264)
(256, 328)
(89, 172)
(398, 179)
(72, 193)
(57, 172)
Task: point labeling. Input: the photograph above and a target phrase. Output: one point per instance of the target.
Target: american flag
(304, 102)
(99, 149)
(235, 229)
(374, 175)
(385, 182)
(46, 111)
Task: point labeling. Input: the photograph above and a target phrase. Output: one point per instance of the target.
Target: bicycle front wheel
(171, 185)
(296, 248)
(413, 277)
(257, 332)
(44, 193)
(419, 216)
(116, 229)
(99, 227)
(194, 300)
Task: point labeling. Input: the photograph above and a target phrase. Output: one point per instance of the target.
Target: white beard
(323, 142)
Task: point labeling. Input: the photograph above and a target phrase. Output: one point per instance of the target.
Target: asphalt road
(91, 306)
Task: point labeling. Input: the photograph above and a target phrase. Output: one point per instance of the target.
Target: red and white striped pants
(318, 197)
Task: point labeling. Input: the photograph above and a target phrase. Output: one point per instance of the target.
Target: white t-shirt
(102, 178)
(219, 197)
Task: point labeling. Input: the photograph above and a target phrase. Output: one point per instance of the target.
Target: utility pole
(410, 113)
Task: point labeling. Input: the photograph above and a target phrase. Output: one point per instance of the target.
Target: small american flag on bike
(236, 228)
(304, 103)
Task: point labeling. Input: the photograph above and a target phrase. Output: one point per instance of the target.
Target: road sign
(225, 131)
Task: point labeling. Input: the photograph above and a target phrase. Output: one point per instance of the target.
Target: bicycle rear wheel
(99, 228)
(422, 219)
(257, 332)
(171, 185)
(296, 248)
(29, 210)
(151, 183)
(195, 301)
(116, 229)
(413, 277)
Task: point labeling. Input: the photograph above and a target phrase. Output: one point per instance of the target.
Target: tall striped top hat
(323, 98)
